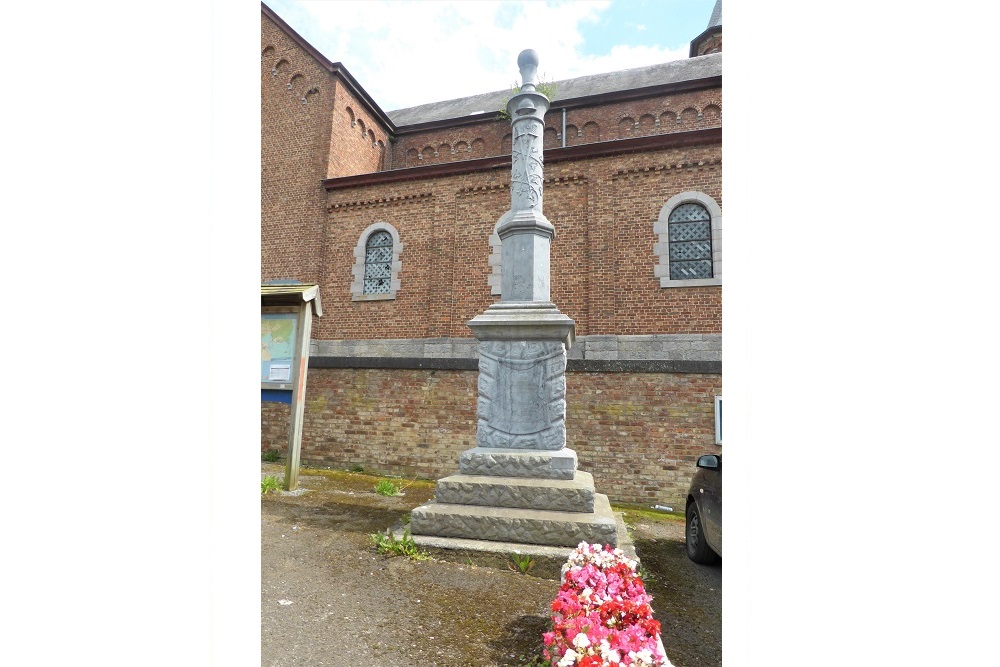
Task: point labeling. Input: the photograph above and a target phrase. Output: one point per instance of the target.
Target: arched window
(690, 241)
(690, 237)
(376, 263)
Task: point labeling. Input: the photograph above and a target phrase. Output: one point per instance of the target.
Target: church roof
(676, 71)
(716, 18)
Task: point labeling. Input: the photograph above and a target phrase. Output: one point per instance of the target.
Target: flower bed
(601, 615)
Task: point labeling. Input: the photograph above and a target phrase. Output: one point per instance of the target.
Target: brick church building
(393, 215)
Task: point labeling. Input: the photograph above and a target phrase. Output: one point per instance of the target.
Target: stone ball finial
(527, 62)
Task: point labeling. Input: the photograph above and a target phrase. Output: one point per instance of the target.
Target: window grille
(378, 263)
(690, 236)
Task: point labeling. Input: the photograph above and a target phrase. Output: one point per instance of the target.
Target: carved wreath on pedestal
(528, 409)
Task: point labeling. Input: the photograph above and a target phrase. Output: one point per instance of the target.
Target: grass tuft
(271, 456)
(269, 483)
(386, 488)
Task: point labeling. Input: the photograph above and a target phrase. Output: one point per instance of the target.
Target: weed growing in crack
(522, 563)
(387, 544)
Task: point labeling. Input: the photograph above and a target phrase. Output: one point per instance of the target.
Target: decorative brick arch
(647, 124)
(309, 93)
(626, 127)
(662, 248)
(358, 271)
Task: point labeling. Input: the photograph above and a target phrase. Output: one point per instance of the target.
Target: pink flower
(601, 615)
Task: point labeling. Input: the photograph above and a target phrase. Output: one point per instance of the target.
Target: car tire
(694, 538)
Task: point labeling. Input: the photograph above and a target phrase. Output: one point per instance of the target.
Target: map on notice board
(277, 346)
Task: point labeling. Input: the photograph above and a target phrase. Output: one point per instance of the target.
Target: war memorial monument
(520, 484)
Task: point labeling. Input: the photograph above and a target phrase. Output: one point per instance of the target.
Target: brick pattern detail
(665, 114)
(358, 142)
(639, 434)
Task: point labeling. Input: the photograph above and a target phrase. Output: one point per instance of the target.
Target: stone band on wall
(461, 348)
(656, 347)
(572, 365)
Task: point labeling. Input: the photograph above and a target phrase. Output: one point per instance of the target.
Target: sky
(406, 53)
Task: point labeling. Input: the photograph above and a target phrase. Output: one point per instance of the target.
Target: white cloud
(409, 53)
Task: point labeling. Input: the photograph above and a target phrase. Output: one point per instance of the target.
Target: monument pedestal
(521, 483)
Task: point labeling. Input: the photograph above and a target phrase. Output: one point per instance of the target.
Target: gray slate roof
(688, 69)
(716, 18)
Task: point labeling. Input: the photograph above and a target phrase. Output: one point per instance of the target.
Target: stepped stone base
(523, 526)
(562, 495)
(558, 464)
(548, 559)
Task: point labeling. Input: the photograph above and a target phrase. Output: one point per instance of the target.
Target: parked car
(703, 512)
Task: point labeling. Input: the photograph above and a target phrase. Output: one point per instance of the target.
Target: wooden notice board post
(286, 324)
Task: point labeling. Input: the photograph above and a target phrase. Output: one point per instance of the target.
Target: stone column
(520, 484)
(524, 337)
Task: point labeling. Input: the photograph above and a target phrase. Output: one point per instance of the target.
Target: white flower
(569, 659)
(643, 657)
(581, 641)
(609, 654)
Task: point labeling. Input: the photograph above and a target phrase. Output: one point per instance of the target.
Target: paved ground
(328, 599)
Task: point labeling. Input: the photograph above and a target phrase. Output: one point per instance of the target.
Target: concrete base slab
(525, 526)
(561, 495)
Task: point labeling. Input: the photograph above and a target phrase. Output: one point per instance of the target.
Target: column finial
(527, 62)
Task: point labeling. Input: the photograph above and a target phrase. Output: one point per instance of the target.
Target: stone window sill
(700, 282)
(372, 297)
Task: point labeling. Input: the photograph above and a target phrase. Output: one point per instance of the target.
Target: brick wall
(358, 142)
(602, 260)
(638, 433)
(295, 138)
